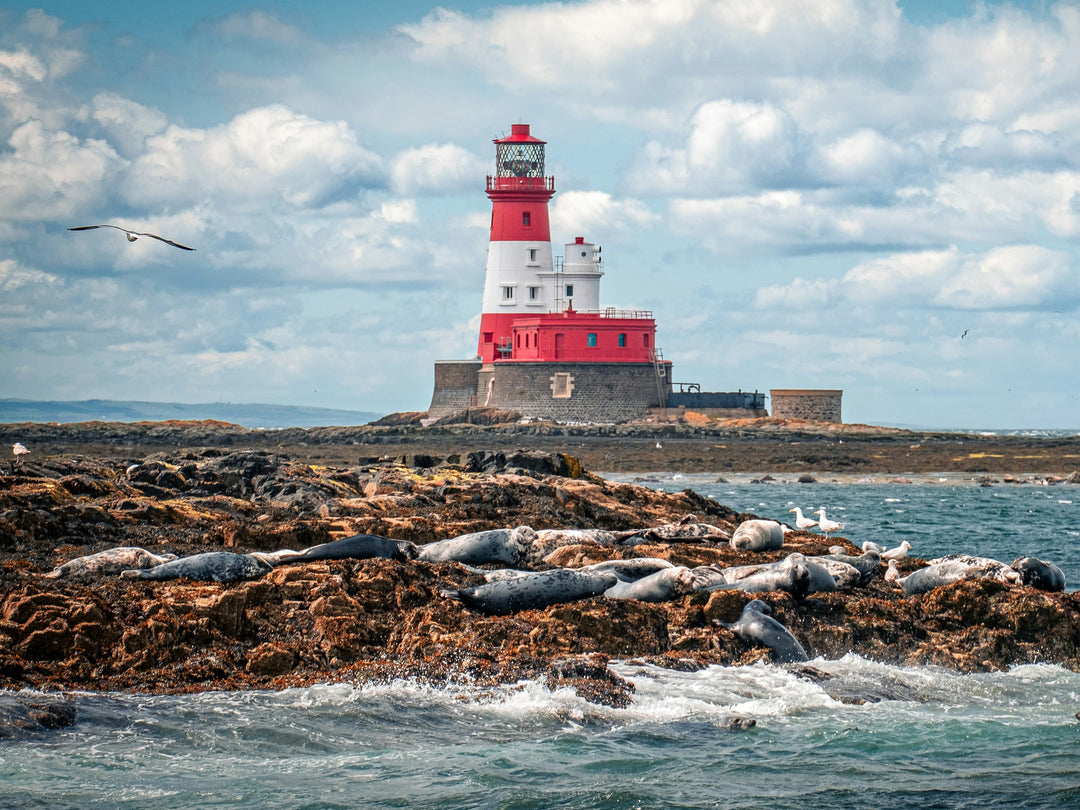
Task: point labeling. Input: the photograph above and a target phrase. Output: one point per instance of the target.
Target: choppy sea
(944, 740)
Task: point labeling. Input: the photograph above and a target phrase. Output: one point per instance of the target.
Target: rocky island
(189, 488)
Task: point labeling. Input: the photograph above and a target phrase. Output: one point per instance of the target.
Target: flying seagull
(965, 334)
(132, 235)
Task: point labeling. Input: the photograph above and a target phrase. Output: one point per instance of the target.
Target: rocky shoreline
(351, 620)
(688, 443)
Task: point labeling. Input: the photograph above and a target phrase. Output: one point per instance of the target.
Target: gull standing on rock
(132, 235)
(19, 450)
(898, 553)
(825, 524)
(802, 523)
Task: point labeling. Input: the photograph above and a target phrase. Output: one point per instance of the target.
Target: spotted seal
(1039, 574)
(758, 535)
(510, 546)
(685, 530)
(212, 566)
(791, 574)
(631, 569)
(534, 589)
(867, 564)
(757, 627)
(660, 586)
(548, 540)
(954, 567)
(357, 547)
(110, 561)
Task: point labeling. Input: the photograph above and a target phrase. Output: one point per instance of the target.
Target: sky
(864, 195)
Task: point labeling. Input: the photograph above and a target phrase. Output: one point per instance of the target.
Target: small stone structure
(814, 404)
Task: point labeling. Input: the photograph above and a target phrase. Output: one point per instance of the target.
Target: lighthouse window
(526, 219)
(508, 293)
(569, 290)
(646, 341)
(591, 339)
(622, 339)
(532, 254)
(534, 293)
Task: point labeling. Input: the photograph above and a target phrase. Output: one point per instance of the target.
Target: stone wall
(579, 392)
(817, 405)
(455, 387)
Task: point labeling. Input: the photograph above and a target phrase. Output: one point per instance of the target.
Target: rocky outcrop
(378, 618)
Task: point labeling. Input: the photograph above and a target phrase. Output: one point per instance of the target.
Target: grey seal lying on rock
(357, 547)
(213, 566)
(758, 535)
(510, 546)
(110, 561)
(534, 589)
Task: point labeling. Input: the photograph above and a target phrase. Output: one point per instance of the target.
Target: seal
(757, 627)
(493, 546)
(532, 590)
(792, 574)
(110, 561)
(548, 540)
(1039, 574)
(952, 568)
(867, 567)
(630, 570)
(357, 547)
(758, 535)
(660, 586)
(685, 530)
(213, 566)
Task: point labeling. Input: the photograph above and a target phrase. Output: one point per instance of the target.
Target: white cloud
(51, 174)
(1015, 277)
(436, 169)
(576, 213)
(269, 153)
(127, 123)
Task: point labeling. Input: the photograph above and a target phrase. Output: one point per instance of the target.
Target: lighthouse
(519, 247)
(547, 348)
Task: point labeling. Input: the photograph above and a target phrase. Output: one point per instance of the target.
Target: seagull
(659, 446)
(893, 573)
(132, 235)
(802, 523)
(870, 545)
(964, 335)
(898, 553)
(825, 524)
(19, 450)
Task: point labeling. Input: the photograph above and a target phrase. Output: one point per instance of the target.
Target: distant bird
(659, 446)
(802, 523)
(964, 335)
(898, 553)
(133, 235)
(825, 524)
(19, 450)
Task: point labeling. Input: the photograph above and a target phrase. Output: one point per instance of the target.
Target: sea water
(939, 739)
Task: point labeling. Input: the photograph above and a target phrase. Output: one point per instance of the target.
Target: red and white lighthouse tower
(519, 249)
(546, 347)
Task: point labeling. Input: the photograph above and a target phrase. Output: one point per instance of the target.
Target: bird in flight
(133, 235)
(964, 335)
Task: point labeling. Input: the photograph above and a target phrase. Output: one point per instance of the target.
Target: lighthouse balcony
(501, 183)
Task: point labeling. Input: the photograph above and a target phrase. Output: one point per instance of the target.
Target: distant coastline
(249, 415)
